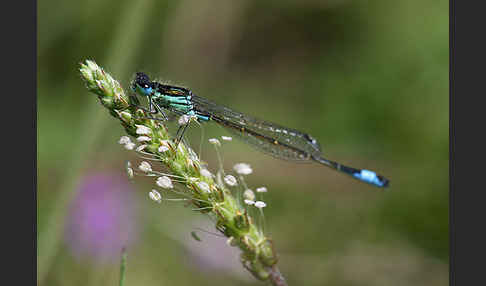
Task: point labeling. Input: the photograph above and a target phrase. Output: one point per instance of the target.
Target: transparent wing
(271, 138)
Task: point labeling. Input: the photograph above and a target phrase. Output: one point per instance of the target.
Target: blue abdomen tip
(370, 177)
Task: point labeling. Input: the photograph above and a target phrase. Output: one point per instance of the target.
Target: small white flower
(249, 202)
(164, 182)
(184, 119)
(226, 138)
(260, 204)
(164, 143)
(141, 147)
(130, 145)
(155, 196)
(124, 140)
(145, 166)
(163, 149)
(214, 141)
(143, 130)
(242, 169)
(129, 169)
(143, 138)
(204, 186)
(130, 173)
(230, 240)
(230, 180)
(206, 173)
(249, 195)
(261, 190)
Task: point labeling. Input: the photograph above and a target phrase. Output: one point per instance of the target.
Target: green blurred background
(368, 79)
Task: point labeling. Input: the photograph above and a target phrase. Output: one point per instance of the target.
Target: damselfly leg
(180, 137)
(153, 109)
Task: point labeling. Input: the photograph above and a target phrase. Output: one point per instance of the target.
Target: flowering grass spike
(195, 184)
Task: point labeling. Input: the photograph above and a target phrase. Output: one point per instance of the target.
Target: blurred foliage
(368, 79)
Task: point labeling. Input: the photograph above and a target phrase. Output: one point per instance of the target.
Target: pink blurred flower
(101, 219)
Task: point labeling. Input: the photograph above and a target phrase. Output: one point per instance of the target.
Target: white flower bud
(260, 204)
(143, 138)
(249, 195)
(143, 130)
(204, 186)
(141, 147)
(129, 170)
(249, 202)
(124, 140)
(230, 180)
(145, 167)
(242, 169)
(206, 173)
(164, 182)
(261, 190)
(155, 196)
(163, 149)
(130, 145)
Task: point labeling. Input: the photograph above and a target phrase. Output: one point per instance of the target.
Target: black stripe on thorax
(169, 90)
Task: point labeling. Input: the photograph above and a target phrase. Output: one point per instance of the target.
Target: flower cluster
(164, 180)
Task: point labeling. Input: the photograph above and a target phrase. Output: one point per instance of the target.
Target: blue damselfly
(271, 138)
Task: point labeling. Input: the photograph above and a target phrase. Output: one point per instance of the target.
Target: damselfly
(276, 140)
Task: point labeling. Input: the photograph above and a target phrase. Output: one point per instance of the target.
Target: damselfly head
(142, 83)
